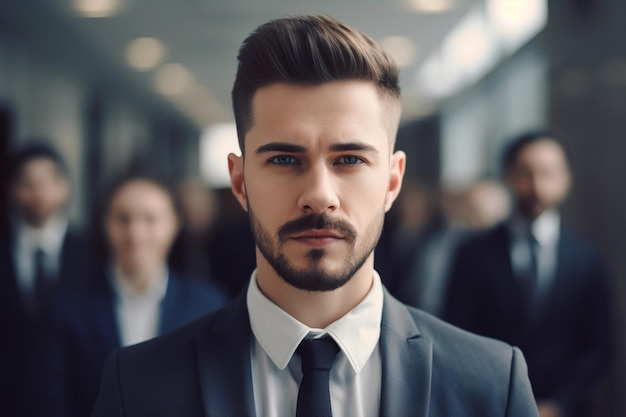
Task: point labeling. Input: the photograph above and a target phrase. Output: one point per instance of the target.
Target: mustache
(316, 221)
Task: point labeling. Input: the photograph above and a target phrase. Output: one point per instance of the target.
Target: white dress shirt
(546, 231)
(138, 313)
(49, 239)
(355, 379)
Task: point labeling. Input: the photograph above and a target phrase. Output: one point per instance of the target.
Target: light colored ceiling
(205, 35)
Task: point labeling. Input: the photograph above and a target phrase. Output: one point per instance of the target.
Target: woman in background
(137, 297)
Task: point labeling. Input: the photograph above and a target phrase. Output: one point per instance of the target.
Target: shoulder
(465, 369)
(449, 343)
(452, 343)
(578, 245)
(76, 299)
(467, 364)
(196, 291)
(179, 344)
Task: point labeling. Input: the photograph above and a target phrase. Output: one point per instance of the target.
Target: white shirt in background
(546, 231)
(138, 313)
(355, 379)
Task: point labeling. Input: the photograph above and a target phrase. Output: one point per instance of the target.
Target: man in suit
(137, 298)
(317, 106)
(39, 252)
(532, 283)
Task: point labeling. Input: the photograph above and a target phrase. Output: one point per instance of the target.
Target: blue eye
(350, 160)
(283, 160)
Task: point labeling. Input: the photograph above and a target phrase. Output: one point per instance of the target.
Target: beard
(315, 276)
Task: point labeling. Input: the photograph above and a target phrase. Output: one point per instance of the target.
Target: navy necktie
(42, 284)
(529, 281)
(317, 357)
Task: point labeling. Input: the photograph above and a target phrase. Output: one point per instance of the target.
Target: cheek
(269, 199)
(118, 238)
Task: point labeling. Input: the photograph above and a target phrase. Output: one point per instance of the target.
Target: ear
(396, 174)
(237, 181)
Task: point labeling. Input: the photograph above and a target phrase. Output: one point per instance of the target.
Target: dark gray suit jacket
(429, 369)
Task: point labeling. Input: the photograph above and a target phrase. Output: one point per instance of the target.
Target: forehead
(339, 110)
(140, 193)
(542, 151)
(38, 165)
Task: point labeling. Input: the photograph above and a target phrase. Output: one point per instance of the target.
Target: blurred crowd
(491, 256)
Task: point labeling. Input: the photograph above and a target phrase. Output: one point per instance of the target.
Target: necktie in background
(529, 281)
(41, 284)
(317, 357)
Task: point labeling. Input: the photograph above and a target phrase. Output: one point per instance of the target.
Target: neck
(139, 278)
(314, 309)
(35, 223)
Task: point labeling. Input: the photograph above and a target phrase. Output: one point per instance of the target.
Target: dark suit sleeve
(461, 296)
(521, 402)
(109, 403)
(594, 347)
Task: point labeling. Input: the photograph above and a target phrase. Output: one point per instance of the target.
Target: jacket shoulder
(450, 342)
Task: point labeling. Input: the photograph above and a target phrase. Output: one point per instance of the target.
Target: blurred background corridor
(116, 86)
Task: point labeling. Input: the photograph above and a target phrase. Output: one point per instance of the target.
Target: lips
(317, 234)
(317, 239)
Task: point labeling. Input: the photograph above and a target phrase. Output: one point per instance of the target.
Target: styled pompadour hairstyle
(311, 50)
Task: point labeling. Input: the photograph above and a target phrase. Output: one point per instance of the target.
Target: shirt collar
(279, 334)
(49, 237)
(545, 228)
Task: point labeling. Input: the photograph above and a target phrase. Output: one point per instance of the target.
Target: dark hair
(150, 176)
(311, 50)
(517, 144)
(36, 149)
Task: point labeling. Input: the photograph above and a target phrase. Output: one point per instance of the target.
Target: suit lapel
(168, 320)
(104, 309)
(406, 363)
(224, 363)
(71, 254)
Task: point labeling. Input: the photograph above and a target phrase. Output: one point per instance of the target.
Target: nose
(319, 193)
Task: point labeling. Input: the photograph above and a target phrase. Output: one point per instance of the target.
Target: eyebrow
(355, 146)
(291, 148)
(280, 147)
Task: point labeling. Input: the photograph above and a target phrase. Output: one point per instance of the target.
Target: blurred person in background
(534, 284)
(407, 226)
(215, 242)
(136, 298)
(477, 207)
(232, 252)
(39, 252)
(199, 208)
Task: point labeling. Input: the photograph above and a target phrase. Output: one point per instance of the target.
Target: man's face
(141, 225)
(317, 179)
(539, 178)
(40, 191)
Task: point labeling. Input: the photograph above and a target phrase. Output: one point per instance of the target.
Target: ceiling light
(431, 6)
(97, 8)
(216, 143)
(144, 54)
(172, 79)
(516, 21)
(401, 48)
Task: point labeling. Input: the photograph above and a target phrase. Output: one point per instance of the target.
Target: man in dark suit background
(317, 107)
(38, 252)
(137, 298)
(532, 283)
